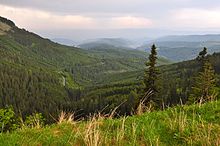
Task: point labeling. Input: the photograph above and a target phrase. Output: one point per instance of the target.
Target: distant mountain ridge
(186, 47)
(116, 42)
(176, 47)
(189, 38)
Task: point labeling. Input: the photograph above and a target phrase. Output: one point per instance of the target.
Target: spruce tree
(205, 83)
(151, 76)
(202, 54)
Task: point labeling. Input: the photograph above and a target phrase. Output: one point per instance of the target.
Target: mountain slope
(45, 53)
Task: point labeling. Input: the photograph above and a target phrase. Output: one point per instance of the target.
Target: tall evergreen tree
(205, 83)
(151, 76)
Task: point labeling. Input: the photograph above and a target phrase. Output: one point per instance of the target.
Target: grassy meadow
(181, 125)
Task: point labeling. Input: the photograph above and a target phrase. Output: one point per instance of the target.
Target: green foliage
(204, 88)
(178, 79)
(205, 85)
(34, 120)
(8, 120)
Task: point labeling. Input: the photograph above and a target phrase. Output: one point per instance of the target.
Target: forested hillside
(177, 79)
(39, 75)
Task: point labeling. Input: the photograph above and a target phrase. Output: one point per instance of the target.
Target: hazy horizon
(80, 20)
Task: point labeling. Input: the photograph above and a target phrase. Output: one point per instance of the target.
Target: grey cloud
(149, 7)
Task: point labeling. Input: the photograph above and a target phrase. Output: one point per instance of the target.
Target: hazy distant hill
(180, 48)
(65, 41)
(190, 38)
(115, 42)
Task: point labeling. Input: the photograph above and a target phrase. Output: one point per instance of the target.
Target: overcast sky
(83, 19)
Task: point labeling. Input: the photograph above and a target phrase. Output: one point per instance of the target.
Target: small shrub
(35, 120)
(8, 120)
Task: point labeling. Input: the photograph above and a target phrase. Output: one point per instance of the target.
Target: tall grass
(182, 125)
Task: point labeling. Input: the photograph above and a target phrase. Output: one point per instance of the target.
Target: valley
(100, 73)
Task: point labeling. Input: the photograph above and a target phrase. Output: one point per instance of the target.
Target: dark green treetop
(202, 54)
